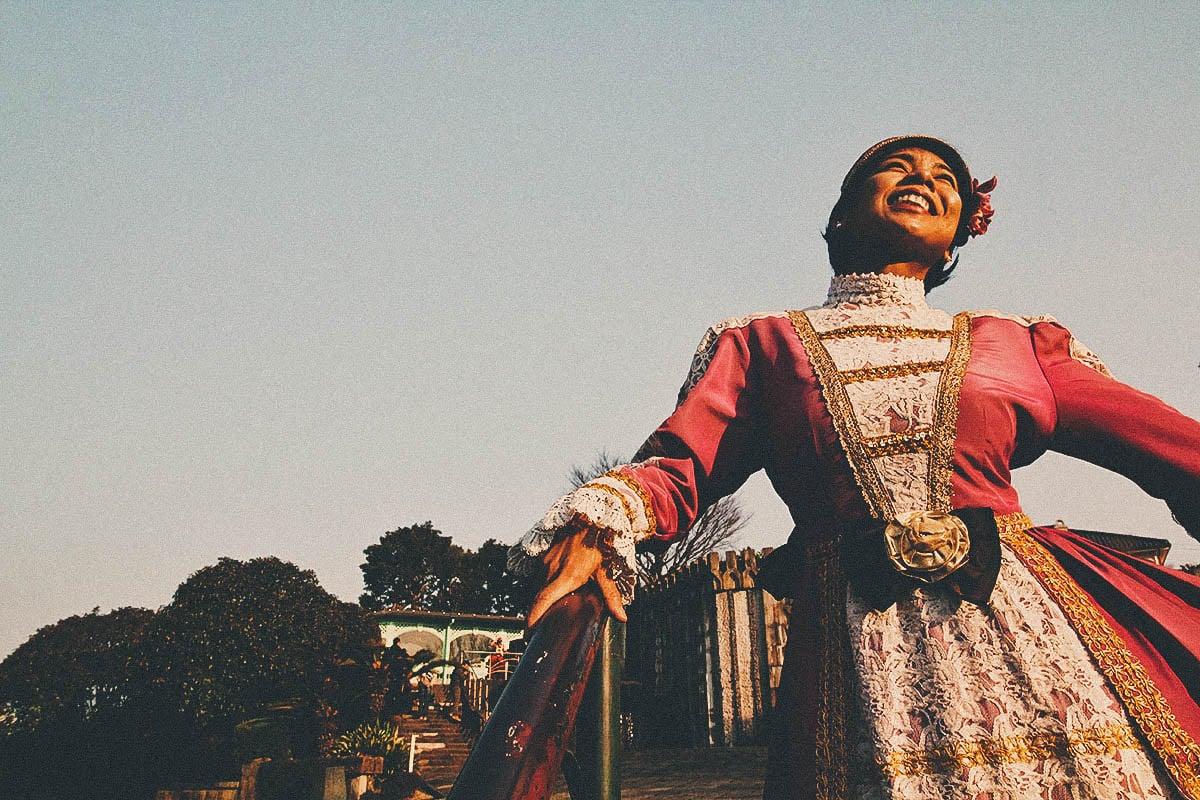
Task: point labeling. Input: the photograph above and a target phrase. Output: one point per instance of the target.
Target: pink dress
(1079, 678)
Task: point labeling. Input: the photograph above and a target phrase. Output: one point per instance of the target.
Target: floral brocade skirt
(1079, 680)
(952, 700)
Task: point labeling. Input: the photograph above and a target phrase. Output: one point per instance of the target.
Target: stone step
(439, 767)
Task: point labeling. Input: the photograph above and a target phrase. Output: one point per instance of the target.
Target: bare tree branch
(717, 529)
(602, 463)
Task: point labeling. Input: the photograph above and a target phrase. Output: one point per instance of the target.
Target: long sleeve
(703, 451)
(1108, 423)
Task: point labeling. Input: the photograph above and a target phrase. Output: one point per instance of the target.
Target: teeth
(913, 198)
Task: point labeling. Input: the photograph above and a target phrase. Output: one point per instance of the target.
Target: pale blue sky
(279, 278)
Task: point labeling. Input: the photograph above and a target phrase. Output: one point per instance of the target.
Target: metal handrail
(522, 747)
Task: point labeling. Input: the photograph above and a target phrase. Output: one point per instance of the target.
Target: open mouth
(911, 200)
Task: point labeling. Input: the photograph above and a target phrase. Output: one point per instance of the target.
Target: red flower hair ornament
(980, 201)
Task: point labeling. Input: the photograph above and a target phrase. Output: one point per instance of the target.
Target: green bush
(237, 637)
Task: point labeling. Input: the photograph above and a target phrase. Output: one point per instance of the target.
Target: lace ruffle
(960, 702)
(876, 289)
(615, 506)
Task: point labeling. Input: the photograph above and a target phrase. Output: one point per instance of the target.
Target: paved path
(715, 773)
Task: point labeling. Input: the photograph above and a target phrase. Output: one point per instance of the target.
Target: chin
(913, 234)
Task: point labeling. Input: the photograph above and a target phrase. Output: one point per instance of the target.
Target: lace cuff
(616, 506)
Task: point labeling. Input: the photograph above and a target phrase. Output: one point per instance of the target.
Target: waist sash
(958, 552)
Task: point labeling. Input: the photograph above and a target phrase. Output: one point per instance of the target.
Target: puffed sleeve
(1108, 423)
(706, 449)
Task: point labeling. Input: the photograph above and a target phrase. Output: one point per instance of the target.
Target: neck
(875, 255)
(882, 266)
(906, 269)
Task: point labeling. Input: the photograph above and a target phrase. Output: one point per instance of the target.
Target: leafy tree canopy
(418, 567)
(78, 668)
(110, 705)
(70, 700)
(241, 634)
(414, 567)
(487, 587)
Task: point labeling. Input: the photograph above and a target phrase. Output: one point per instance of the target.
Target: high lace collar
(876, 289)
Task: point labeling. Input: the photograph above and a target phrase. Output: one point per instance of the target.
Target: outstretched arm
(1106, 422)
(703, 451)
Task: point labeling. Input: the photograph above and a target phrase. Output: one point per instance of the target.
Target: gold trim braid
(832, 782)
(889, 371)
(945, 425)
(896, 443)
(1013, 523)
(1179, 752)
(884, 332)
(640, 491)
(953, 756)
(840, 408)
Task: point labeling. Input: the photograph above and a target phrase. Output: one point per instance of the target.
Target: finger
(612, 595)
(550, 594)
(554, 560)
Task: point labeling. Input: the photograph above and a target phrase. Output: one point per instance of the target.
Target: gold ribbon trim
(640, 491)
(1179, 752)
(953, 756)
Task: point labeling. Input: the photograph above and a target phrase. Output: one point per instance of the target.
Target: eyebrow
(903, 156)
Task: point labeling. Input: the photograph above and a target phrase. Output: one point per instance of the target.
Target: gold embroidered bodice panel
(890, 369)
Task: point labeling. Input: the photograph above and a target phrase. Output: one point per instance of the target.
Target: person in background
(399, 668)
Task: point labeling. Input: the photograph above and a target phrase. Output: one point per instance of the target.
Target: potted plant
(367, 747)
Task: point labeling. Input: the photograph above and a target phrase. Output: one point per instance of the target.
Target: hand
(572, 561)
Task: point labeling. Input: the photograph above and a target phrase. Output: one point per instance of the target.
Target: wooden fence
(704, 652)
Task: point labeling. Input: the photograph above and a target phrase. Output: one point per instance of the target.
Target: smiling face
(908, 203)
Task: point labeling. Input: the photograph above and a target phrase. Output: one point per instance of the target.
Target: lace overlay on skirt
(955, 701)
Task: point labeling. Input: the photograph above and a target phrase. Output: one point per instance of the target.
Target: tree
(419, 567)
(76, 669)
(716, 529)
(70, 705)
(415, 567)
(240, 636)
(487, 587)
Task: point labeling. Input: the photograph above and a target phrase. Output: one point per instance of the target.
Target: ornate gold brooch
(927, 545)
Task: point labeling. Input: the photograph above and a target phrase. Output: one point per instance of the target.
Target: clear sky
(280, 278)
